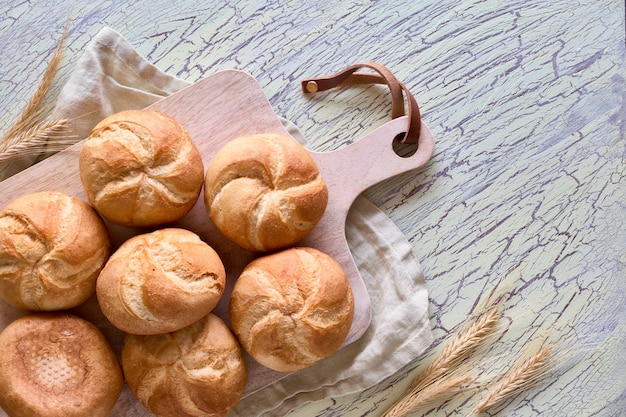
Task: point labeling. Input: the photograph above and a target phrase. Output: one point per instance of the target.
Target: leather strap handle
(351, 76)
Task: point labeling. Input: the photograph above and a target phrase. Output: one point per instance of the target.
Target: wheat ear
(46, 137)
(463, 344)
(436, 379)
(519, 378)
(34, 112)
(413, 401)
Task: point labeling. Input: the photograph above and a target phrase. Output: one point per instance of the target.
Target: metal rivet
(311, 87)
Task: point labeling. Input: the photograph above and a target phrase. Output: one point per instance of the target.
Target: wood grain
(526, 100)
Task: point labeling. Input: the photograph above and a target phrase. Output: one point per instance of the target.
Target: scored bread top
(140, 168)
(52, 248)
(160, 282)
(292, 308)
(264, 191)
(195, 371)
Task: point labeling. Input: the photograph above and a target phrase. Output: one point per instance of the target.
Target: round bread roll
(140, 168)
(292, 308)
(57, 365)
(161, 281)
(52, 248)
(196, 371)
(264, 192)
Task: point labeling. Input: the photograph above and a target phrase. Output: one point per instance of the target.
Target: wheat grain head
(519, 378)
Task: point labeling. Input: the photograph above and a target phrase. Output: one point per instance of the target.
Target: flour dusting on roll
(292, 308)
(140, 168)
(160, 282)
(52, 248)
(57, 365)
(264, 192)
(196, 371)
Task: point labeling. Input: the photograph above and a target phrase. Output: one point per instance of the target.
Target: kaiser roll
(140, 168)
(264, 192)
(52, 248)
(160, 282)
(195, 371)
(57, 365)
(292, 308)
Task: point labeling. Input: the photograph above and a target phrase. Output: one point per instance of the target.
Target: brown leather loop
(351, 76)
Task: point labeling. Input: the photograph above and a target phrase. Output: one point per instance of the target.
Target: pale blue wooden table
(527, 102)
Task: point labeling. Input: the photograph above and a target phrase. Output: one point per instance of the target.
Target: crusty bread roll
(57, 365)
(160, 282)
(140, 168)
(52, 248)
(292, 308)
(264, 192)
(196, 371)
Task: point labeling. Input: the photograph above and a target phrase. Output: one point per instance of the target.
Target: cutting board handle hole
(403, 150)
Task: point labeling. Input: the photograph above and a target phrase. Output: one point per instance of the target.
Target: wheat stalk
(436, 379)
(34, 112)
(519, 378)
(412, 402)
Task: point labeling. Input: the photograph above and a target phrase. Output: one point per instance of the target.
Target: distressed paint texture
(527, 186)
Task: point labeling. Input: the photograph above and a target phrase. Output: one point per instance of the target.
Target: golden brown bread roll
(160, 282)
(52, 248)
(264, 192)
(57, 365)
(196, 371)
(140, 168)
(292, 308)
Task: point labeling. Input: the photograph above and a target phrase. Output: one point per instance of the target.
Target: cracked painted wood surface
(526, 102)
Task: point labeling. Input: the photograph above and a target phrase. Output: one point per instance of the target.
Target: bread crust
(140, 168)
(292, 308)
(52, 248)
(196, 371)
(264, 192)
(160, 281)
(57, 365)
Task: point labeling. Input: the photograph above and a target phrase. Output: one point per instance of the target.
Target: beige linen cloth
(111, 76)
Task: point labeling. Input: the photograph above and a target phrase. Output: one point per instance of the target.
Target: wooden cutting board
(213, 111)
